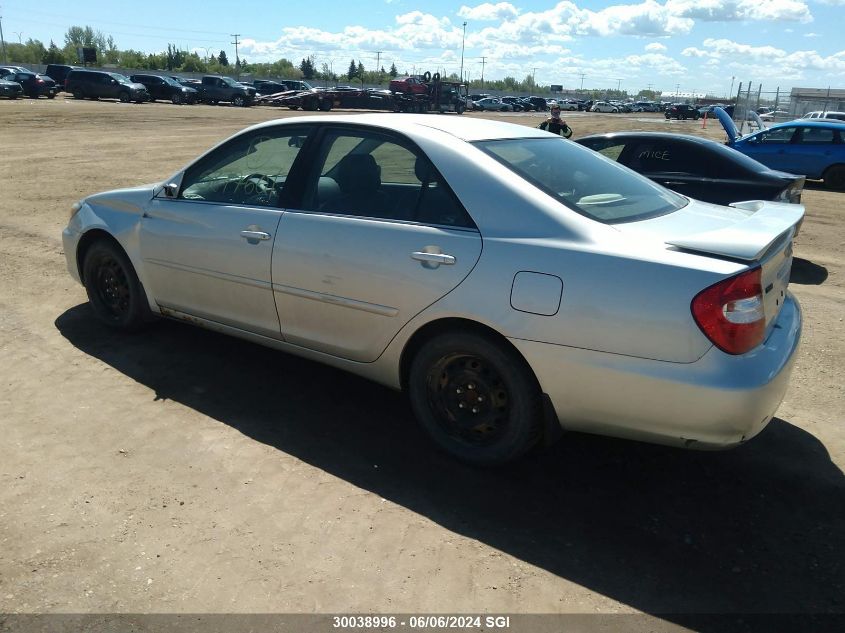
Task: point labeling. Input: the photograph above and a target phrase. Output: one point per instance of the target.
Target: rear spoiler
(748, 239)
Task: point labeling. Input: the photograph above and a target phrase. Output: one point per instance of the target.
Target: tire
(427, 77)
(175, 98)
(668, 116)
(325, 105)
(238, 101)
(114, 291)
(78, 94)
(459, 109)
(477, 399)
(834, 178)
(124, 97)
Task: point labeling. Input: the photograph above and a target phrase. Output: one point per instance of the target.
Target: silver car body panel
(612, 342)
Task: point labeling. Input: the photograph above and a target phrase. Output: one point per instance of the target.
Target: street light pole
(463, 41)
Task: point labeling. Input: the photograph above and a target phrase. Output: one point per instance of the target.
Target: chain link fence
(778, 105)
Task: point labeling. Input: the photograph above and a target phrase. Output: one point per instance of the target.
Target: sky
(671, 45)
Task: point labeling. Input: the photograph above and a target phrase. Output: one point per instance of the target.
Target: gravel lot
(181, 471)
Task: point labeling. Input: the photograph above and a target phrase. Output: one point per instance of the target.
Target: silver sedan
(538, 285)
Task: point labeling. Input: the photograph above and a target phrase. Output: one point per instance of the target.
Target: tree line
(175, 60)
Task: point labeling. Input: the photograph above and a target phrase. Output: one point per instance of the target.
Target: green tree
(360, 71)
(353, 71)
(307, 67)
(393, 72)
(53, 55)
(222, 59)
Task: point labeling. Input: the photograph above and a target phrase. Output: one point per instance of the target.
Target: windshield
(231, 82)
(583, 180)
(172, 82)
(121, 78)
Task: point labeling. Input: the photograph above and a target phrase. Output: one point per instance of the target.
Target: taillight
(730, 313)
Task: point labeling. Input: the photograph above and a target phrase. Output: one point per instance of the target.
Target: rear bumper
(718, 401)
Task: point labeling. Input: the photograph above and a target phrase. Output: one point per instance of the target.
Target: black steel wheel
(113, 288)
(124, 97)
(834, 177)
(476, 398)
(176, 98)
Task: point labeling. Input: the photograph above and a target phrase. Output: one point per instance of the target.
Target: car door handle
(675, 182)
(255, 235)
(433, 258)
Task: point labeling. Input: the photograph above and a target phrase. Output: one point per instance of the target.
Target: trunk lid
(754, 232)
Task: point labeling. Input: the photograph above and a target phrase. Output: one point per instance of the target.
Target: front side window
(777, 137)
(583, 180)
(251, 169)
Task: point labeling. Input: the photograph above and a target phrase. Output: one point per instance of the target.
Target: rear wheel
(78, 94)
(476, 398)
(51, 96)
(834, 177)
(113, 288)
(325, 105)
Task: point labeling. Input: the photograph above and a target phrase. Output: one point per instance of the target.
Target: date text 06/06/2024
(420, 621)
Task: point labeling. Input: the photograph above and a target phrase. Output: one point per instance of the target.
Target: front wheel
(834, 178)
(175, 98)
(113, 288)
(476, 398)
(238, 101)
(124, 97)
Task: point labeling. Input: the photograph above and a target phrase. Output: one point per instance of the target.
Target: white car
(568, 105)
(492, 103)
(603, 106)
(536, 285)
(821, 114)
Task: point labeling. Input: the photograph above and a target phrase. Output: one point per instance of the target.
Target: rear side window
(666, 157)
(367, 174)
(816, 136)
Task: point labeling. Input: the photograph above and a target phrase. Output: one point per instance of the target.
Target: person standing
(555, 124)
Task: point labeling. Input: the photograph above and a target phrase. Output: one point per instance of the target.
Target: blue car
(810, 147)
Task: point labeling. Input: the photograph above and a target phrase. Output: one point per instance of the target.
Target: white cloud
(655, 47)
(766, 61)
(811, 35)
(489, 12)
(736, 10)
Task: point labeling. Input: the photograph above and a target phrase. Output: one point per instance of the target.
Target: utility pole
(378, 65)
(463, 41)
(483, 61)
(619, 86)
(18, 33)
(2, 41)
(534, 77)
(237, 59)
(582, 75)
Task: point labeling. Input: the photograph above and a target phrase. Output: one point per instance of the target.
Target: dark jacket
(556, 126)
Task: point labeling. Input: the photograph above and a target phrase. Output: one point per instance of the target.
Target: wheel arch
(88, 239)
(450, 324)
(551, 429)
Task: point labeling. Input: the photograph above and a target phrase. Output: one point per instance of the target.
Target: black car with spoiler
(697, 167)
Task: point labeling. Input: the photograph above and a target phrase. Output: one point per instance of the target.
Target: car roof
(463, 128)
(655, 135)
(809, 123)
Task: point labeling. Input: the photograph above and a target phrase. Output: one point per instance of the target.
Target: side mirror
(171, 189)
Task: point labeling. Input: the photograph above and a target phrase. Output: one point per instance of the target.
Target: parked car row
(32, 84)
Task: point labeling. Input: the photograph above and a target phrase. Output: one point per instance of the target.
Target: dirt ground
(181, 471)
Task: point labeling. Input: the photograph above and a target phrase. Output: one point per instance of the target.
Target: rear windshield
(584, 180)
